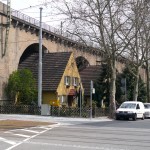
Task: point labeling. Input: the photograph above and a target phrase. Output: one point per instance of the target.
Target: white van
(130, 109)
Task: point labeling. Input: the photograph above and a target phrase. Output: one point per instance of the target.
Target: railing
(47, 27)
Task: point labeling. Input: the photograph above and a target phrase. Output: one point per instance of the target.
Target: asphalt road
(80, 135)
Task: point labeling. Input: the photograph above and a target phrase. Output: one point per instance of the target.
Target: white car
(130, 109)
(147, 110)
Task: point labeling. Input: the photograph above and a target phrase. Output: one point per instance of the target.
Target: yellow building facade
(67, 89)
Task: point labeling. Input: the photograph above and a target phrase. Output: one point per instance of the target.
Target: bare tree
(146, 24)
(98, 22)
(138, 38)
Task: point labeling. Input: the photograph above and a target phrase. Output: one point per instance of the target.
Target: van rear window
(147, 106)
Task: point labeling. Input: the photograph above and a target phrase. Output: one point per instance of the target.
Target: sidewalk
(49, 118)
(15, 121)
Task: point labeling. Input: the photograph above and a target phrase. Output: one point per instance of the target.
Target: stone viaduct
(23, 38)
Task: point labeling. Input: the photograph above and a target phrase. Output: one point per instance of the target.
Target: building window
(75, 81)
(67, 80)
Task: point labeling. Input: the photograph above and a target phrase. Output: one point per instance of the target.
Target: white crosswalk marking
(27, 139)
(43, 127)
(22, 135)
(29, 130)
(7, 141)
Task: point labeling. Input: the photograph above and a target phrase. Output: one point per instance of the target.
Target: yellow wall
(47, 96)
(72, 71)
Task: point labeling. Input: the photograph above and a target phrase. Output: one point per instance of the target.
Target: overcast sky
(20, 4)
(31, 8)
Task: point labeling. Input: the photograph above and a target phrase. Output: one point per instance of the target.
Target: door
(70, 100)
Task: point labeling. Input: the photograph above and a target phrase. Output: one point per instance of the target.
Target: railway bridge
(22, 38)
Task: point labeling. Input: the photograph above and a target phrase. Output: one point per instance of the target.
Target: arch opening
(32, 49)
(82, 63)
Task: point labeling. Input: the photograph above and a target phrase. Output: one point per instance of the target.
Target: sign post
(80, 100)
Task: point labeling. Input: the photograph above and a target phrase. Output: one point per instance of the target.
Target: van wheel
(117, 118)
(143, 117)
(135, 117)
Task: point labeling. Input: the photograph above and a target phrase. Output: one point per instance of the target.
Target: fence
(54, 111)
(20, 109)
(75, 112)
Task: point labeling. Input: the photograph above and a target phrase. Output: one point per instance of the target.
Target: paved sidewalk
(14, 121)
(49, 118)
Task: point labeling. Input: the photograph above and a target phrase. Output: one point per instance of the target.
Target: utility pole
(61, 26)
(91, 92)
(40, 62)
(7, 26)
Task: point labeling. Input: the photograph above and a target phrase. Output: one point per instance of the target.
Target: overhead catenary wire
(34, 6)
(47, 15)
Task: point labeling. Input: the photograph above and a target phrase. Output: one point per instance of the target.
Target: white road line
(29, 130)
(66, 124)
(7, 132)
(22, 135)
(7, 141)
(43, 127)
(54, 125)
(27, 139)
(48, 126)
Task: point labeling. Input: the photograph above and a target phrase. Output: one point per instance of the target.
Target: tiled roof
(53, 67)
(88, 74)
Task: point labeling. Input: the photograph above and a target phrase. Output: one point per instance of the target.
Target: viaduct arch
(34, 48)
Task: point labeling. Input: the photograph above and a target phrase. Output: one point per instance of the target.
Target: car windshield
(128, 105)
(147, 106)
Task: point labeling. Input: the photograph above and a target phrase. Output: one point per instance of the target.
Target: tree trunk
(135, 93)
(112, 106)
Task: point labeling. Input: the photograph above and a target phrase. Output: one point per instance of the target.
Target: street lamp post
(40, 62)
